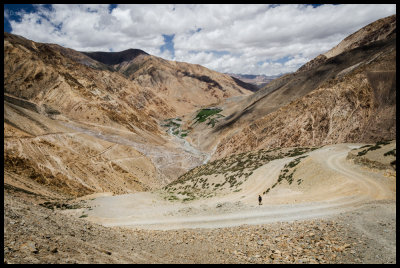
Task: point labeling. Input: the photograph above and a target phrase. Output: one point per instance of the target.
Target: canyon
(163, 154)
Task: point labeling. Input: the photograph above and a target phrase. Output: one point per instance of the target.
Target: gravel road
(354, 187)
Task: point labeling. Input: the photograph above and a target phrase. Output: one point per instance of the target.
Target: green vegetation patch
(173, 126)
(206, 113)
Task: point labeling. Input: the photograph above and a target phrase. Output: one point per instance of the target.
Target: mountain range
(77, 123)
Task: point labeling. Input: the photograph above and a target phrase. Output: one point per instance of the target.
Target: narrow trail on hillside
(163, 156)
(353, 187)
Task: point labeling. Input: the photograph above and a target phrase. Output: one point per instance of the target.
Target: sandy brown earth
(357, 225)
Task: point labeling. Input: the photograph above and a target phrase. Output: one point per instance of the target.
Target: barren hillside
(349, 97)
(75, 125)
(184, 86)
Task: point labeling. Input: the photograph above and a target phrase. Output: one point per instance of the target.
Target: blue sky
(168, 44)
(247, 39)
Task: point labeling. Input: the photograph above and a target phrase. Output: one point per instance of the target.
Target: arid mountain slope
(45, 157)
(40, 73)
(184, 86)
(74, 125)
(121, 99)
(349, 97)
(375, 31)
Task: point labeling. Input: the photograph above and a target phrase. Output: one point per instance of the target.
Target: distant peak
(112, 58)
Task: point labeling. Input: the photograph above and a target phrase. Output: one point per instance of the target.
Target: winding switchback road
(345, 187)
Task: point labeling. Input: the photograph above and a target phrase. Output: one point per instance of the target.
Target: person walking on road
(259, 200)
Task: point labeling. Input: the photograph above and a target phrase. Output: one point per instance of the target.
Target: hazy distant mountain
(258, 80)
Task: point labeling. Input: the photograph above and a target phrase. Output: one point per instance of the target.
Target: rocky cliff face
(348, 97)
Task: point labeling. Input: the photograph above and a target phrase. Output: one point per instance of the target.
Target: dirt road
(332, 186)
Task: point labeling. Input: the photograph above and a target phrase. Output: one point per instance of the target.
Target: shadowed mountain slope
(112, 58)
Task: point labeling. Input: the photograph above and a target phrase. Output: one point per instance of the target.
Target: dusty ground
(34, 234)
(356, 227)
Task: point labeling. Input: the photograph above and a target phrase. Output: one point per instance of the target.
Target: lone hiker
(259, 200)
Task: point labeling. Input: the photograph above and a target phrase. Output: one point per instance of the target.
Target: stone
(29, 246)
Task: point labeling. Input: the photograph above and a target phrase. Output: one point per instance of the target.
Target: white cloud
(246, 34)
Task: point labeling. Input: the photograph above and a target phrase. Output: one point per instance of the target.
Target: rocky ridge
(375, 31)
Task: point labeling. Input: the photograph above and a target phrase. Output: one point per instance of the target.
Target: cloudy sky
(246, 39)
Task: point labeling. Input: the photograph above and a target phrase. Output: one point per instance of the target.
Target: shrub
(391, 152)
(372, 147)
